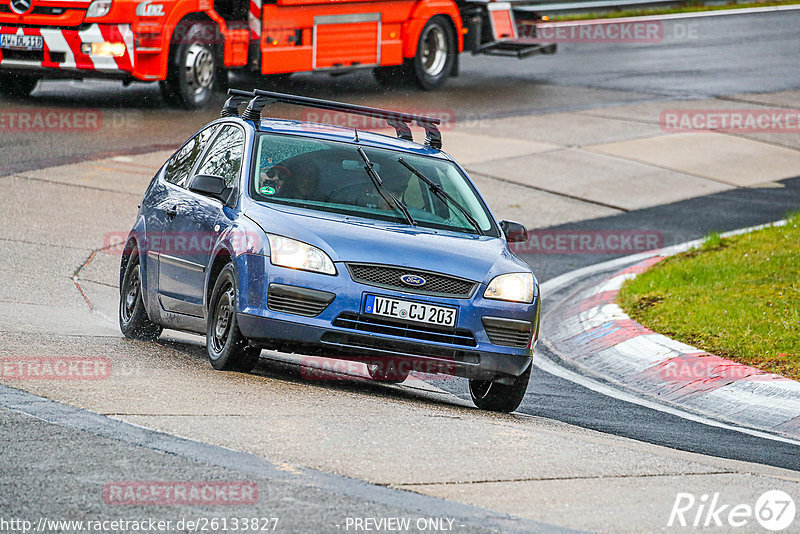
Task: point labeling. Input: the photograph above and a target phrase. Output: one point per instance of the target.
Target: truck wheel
(228, 349)
(496, 397)
(13, 84)
(436, 52)
(192, 69)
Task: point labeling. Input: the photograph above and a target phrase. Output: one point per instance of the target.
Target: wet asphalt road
(701, 57)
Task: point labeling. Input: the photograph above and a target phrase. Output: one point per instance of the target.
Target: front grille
(298, 300)
(38, 10)
(508, 332)
(354, 321)
(388, 277)
(365, 344)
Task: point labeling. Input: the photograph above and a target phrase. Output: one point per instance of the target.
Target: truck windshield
(331, 176)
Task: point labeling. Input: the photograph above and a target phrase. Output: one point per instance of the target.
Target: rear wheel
(192, 69)
(13, 84)
(496, 397)
(133, 320)
(228, 349)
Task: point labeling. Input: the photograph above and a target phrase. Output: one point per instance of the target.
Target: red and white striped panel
(254, 19)
(69, 43)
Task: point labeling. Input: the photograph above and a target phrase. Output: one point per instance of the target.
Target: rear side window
(179, 167)
(224, 158)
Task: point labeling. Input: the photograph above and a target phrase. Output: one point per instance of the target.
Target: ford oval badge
(412, 280)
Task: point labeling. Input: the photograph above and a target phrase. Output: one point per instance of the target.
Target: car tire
(13, 84)
(496, 397)
(227, 348)
(387, 372)
(133, 320)
(193, 69)
(436, 53)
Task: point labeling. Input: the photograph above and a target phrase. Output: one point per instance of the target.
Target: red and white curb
(594, 334)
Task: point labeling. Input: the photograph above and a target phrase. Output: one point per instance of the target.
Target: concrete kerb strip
(593, 334)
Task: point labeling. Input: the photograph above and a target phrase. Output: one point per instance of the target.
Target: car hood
(359, 240)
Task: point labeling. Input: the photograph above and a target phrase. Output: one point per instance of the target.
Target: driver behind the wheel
(272, 180)
(303, 182)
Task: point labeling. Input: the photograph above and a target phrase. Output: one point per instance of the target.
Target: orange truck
(188, 46)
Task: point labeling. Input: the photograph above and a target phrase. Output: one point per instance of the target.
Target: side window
(224, 158)
(179, 167)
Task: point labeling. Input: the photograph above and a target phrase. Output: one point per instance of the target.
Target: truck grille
(41, 10)
(388, 277)
(23, 55)
(377, 325)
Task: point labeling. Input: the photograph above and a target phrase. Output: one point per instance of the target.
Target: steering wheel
(350, 194)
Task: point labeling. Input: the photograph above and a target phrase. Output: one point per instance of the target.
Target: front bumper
(61, 55)
(343, 331)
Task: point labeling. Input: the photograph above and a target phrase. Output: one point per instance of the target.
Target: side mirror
(209, 185)
(515, 232)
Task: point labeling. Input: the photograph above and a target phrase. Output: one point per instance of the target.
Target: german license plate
(21, 42)
(410, 311)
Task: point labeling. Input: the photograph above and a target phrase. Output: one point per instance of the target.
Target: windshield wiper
(437, 190)
(376, 179)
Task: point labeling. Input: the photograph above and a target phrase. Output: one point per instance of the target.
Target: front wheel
(496, 397)
(436, 53)
(228, 349)
(193, 70)
(13, 84)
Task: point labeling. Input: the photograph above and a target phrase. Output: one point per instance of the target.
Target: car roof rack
(258, 99)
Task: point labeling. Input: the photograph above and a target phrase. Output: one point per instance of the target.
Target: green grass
(737, 297)
(688, 7)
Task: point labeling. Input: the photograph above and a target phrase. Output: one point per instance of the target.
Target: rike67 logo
(774, 510)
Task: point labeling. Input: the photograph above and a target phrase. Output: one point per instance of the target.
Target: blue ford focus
(327, 241)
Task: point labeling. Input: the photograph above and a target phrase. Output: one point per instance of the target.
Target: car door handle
(172, 212)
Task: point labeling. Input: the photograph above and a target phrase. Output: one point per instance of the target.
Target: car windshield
(330, 176)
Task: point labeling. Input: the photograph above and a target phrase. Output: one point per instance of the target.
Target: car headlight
(98, 8)
(298, 255)
(516, 287)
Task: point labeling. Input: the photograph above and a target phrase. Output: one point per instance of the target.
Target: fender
(146, 263)
(421, 14)
(247, 247)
